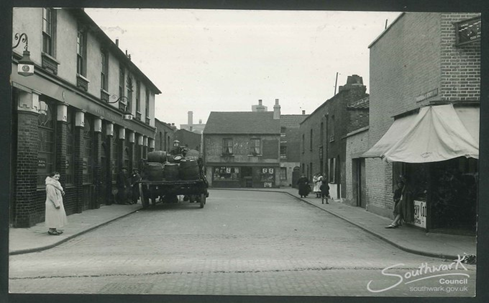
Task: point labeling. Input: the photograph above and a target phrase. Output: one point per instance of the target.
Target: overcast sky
(223, 60)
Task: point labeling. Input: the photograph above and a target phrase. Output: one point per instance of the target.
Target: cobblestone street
(241, 243)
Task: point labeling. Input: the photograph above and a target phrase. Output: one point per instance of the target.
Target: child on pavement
(324, 191)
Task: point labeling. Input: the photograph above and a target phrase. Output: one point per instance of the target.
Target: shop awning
(436, 133)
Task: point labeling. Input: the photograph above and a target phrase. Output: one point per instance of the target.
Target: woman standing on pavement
(304, 186)
(55, 210)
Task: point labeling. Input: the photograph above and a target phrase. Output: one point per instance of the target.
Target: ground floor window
(267, 174)
(226, 173)
(283, 173)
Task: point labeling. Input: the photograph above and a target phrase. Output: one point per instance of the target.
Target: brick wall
(460, 66)
(337, 107)
(26, 171)
(413, 63)
(355, 145)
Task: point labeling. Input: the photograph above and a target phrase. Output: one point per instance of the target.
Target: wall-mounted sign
(468, 31)
(41, 163)
(420, 213)
(427, 95)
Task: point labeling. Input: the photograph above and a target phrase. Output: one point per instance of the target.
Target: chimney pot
(303, 112)
(260, 102)
(117, 42)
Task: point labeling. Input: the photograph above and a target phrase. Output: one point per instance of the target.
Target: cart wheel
(202, 200)
(144, 199)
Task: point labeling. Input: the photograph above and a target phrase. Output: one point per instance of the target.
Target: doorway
(359, 182)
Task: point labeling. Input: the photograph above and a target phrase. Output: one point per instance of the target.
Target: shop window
(87, 163)
(70, 141)
(267, 174)
(226, 173)
(255, 147)
(227, 146)
(283, 173)
(47, 144)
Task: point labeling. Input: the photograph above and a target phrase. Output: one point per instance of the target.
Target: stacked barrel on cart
(161, 166)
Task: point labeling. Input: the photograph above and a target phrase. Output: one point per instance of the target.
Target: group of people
(127, 187)
(320, 187)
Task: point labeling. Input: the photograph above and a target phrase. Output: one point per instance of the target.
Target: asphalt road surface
(241, 243)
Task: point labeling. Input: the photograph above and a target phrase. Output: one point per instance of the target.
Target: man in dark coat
(123, 186)
(304, 186)
(135, 178)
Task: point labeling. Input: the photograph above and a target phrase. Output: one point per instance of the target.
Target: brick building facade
(241, 149)
(323, 135)
(74, 114)
(165, 134)
(417, 63)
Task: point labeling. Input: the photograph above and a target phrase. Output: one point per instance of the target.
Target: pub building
(85, 111)
(424, 120)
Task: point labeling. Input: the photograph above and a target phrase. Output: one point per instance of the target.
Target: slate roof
(242, 123)
(292, 121)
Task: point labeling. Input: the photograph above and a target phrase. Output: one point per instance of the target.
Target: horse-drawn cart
(166, 177)
(168, 191)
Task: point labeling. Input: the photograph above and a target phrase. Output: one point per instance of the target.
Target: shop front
(238, 176)
(435, 151)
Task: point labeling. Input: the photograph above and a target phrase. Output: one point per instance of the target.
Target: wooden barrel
(157, 156)
(171, 171)
(189, 169)
(154, 171)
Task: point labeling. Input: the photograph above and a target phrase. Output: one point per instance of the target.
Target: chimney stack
(190, 118)
(117, 42)
(260, 102)
(276, 110)
(303, 111)
(200, 121)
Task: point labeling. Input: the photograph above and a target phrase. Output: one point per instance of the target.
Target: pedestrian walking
(317, 181)
(135, 178)
(324, 191)
(304, 187)
(399, 197)
(123, 186)
(55, 216)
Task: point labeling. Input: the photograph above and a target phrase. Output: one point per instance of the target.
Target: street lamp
(127, 115)
(25, 66)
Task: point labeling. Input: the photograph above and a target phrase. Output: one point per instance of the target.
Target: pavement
(407, 238)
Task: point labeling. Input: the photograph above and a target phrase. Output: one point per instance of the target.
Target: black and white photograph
(236, 153)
